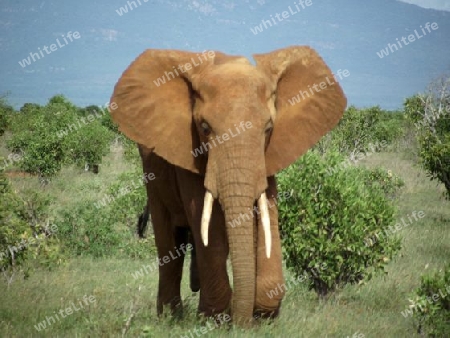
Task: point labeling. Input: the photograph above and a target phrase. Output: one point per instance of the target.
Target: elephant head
(235, 124)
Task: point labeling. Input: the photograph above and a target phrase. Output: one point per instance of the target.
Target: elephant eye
(206, 129)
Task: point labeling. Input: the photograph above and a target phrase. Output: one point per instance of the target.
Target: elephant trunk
(240, 229)
(238, 188)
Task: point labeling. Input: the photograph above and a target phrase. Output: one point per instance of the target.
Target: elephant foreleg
(270, 285)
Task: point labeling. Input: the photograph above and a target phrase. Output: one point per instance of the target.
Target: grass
(125, 304)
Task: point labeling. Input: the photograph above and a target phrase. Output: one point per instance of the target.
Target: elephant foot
(264, 314)
(260, 313)
(175, 308)
(217, 319)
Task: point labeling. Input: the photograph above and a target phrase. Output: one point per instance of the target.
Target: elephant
(213, 129)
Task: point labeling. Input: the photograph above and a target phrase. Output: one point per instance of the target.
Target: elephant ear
(153, 103)
(303, 114)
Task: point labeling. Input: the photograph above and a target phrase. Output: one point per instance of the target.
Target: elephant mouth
(263, 210)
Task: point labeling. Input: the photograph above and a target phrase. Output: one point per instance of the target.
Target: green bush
(327, 219)
(429, 113)
(432, 304)
(88, 145)
(88, 231)
(384, 179)
(13, 229)
(434, 152)
(26, 235)
(56, 134)
(107, 227)
(107, 122)
(361, 128)
(36, 135)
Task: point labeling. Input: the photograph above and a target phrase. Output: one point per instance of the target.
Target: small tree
(430, 114)
(56, 134)
(5, 115)
(330, 220)
(36, 136)
(89, 144)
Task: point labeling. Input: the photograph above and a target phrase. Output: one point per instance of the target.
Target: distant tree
(5, 114)
(56, 134)
(90, 110)
(430, 114)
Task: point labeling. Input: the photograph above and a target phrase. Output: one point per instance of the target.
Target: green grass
(373, 309)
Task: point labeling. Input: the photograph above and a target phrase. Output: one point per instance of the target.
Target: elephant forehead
(235, 75)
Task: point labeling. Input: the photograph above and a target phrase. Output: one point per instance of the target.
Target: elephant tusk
(265, 221)
(206, 216)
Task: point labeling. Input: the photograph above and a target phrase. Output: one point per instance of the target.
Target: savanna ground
(125, 305)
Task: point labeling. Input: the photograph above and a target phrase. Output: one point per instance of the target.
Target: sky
(80, 49)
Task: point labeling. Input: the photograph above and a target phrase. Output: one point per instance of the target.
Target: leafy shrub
(86, 230)
(43, 152)
(108, 227)
(328, 218)
(56, 134)
(430, 115)
(107, 122)
(378, 177)
(131, 194)
(359, 128)
(25, 232)
(13, 229)
(130, 151)
(434, 154)
(432, 304)
(36, 135)
(89, 144)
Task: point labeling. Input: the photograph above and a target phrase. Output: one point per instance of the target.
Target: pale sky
(443, 5)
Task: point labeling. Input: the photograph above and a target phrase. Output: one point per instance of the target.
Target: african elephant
(214, 129)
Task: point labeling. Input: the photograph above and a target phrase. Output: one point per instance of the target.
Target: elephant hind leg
(142, 222)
